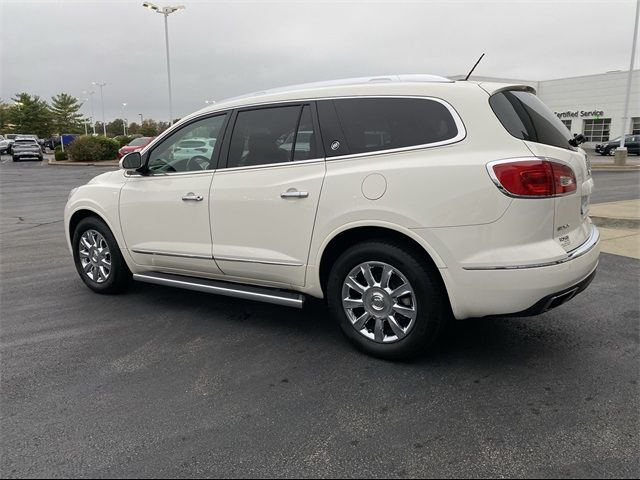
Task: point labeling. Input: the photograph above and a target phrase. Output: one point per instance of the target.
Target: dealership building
(592, 104)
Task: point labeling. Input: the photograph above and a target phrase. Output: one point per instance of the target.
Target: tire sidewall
(429, 302)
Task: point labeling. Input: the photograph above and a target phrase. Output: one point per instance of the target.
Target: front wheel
(98, 258)
(612, 151)
(387, 300)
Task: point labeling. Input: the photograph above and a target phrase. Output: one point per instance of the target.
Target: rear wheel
(98, 258)
(387, 300)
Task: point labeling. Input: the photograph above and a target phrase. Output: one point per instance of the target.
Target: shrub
(91, 149)
(59, 154)
(123, 140)
(109, 148)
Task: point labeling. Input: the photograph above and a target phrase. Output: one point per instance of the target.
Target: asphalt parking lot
(171, 383)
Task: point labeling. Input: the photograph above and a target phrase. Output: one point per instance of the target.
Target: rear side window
(375, 124)
(263, 136)
(524, 116)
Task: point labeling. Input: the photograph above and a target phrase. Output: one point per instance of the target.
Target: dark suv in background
(632, 142)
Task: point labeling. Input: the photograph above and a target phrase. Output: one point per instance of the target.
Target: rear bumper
(519, 290)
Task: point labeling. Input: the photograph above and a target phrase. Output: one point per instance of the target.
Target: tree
(116, 127)
(5, 113)
(133, 128)
(65, 116)
(149, 128)
(30, 115)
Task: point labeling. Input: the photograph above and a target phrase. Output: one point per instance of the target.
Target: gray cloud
(222, 49)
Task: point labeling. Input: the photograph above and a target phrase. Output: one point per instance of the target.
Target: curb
(62, 163)
(615, 168)
(610, 222)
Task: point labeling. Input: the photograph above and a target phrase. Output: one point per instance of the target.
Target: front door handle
(294, 194)
(192, 197)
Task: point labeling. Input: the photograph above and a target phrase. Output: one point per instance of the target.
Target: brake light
(533, 177)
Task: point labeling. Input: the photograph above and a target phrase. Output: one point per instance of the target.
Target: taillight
(533, 177)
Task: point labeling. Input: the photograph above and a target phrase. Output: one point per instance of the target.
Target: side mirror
(131, 161)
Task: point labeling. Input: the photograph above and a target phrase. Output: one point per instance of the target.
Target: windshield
(524, 116)
(139, 142)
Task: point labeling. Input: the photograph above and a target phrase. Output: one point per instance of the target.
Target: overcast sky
(222, 49)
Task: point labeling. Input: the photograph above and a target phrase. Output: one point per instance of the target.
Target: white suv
(401, 200)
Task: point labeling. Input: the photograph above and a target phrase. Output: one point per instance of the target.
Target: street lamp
(93, 124)
(124, 123)
(166, 11)
(140, 119)
(104, 125)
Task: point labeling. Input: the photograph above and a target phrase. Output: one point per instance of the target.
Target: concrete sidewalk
(619, 225)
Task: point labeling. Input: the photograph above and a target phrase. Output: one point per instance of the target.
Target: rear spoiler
(492, 88)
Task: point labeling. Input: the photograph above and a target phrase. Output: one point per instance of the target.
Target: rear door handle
(192, 197)
(294, 194)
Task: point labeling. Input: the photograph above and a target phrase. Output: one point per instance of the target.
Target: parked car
(5, 145)
(26, 147)
(409, 201)
(135, 145)
(632, 142)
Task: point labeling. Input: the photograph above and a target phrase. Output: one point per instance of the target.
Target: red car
(135, 145)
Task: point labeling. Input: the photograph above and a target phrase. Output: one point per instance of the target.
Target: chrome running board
(260, 294)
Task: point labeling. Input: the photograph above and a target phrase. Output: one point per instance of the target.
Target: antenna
(474, 67)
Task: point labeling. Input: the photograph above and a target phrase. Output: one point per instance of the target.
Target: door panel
(163, 230)
(259, 234)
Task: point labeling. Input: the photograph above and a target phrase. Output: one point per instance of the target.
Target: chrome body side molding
(591, 242)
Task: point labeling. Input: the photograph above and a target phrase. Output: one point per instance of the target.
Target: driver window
(190, 149)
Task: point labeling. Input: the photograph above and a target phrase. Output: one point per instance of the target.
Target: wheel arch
(344, 238)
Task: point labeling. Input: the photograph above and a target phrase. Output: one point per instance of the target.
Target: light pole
(93, 124)
(140, 119)
(124, 123)
(104, 125)
(621, 152)
(84, 118)
(166, 11)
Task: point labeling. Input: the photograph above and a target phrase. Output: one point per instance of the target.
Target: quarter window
(375, 124)
(267, 136)
(597, 129)
(524, 116)
(191, 149)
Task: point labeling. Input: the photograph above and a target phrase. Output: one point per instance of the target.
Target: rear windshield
(526, 117)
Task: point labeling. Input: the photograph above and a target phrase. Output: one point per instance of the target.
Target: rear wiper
(577, 140)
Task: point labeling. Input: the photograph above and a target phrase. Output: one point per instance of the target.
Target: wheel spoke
(85, 242)
(353, 284)
(405, 311)
(397, 329)
(353, 303)
(368, 276)
(378, 330)
(83, 253)
(87, 267)
(387, 272)
(402, 290)
(361, 321)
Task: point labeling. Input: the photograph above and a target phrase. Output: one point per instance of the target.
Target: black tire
(433, 309)
(611, 151)
(14, 158)
(119, 277)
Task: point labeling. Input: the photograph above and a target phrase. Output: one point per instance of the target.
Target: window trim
(170, 131)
